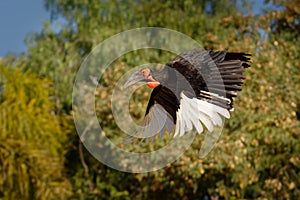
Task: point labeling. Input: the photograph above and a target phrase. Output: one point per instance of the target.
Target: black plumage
(218, 72)
(214, 77)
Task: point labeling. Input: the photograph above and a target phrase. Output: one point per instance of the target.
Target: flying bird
(195, 89)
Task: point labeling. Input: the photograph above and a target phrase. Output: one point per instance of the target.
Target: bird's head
(143, 75)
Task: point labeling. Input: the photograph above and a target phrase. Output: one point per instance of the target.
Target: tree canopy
(256, 157)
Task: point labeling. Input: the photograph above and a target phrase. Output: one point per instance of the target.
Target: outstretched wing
(214, 78)
(160, 114)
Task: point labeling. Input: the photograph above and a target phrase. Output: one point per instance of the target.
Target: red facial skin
(152, 82)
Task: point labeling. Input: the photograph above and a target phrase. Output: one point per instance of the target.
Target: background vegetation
(257, 156)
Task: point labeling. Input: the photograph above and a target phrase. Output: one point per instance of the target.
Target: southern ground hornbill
(195, 89)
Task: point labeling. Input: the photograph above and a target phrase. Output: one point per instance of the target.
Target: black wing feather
(224, 79)
(165, 97)
(218, 72)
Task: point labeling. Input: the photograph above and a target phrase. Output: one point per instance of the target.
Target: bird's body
(194, 89)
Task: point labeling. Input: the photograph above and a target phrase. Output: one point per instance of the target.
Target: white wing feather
(197, 112)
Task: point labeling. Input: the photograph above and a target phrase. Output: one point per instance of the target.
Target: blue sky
(19, 17)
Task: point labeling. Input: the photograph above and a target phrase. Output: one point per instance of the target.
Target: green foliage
(58, 55)
(257, 156)
(31, 151)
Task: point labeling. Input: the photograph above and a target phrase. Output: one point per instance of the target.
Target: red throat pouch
(153, 84)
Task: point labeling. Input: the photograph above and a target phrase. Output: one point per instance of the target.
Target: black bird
(196, 88)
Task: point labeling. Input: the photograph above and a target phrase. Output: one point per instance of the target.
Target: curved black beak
(136, 77)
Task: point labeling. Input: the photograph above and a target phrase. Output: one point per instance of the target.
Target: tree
(258, 153)
(31, 149)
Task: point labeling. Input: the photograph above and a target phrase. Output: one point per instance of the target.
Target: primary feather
(196, 89)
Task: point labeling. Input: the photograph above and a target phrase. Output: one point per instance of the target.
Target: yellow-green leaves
(31, 148)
